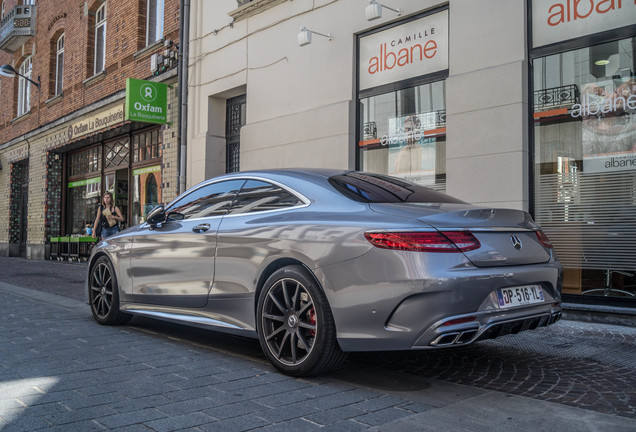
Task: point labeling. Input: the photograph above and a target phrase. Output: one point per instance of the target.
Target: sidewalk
(61, 371)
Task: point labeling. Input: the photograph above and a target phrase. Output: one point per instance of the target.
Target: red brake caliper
(312, 320)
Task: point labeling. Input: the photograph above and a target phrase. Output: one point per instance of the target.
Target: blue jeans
(107, 232)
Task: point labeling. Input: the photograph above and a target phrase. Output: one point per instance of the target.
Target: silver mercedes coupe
(318, 263)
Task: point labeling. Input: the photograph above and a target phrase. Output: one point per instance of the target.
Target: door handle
(201, 228)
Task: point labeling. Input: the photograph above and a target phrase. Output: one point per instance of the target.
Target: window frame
(100, 24)
(159, 9)
(59, 64)
(299, 200)
(24, 86)
(187, 199)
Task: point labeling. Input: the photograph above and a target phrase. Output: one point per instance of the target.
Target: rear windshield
(375, 188)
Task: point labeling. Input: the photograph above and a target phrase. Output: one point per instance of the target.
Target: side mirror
(157, 215)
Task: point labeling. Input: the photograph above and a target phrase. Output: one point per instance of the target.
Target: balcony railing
(564, 96)
(17, 27)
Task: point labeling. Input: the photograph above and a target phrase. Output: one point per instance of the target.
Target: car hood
(493, 227)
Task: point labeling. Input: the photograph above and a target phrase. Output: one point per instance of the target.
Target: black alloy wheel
(295, 326)
(104, 294)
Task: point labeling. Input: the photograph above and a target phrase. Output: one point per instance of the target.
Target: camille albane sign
(559, 20)
(412, 49)
(146, 101)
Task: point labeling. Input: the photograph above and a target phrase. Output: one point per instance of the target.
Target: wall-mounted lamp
(304, 37)
(9, 71)
(374, 10)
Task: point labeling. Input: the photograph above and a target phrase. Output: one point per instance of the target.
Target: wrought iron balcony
(564, 96)
(17, 27)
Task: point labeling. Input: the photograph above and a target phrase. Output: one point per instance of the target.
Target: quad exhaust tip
(495, 330)
(455, 338)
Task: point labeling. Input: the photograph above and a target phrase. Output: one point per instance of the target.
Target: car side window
(258, 196)
(211, 200)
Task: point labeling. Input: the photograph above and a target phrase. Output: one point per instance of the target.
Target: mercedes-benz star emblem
(516, 242)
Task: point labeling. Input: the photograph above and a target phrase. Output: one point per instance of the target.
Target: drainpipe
(184, 46)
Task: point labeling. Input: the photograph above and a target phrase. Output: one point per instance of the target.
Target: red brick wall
(125, 35)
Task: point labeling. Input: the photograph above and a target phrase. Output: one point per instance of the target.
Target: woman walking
(107, 219)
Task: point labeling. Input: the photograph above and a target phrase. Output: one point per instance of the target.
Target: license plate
(519, 296)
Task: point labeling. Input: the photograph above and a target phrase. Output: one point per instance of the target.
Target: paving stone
(235, 410)
(337, 400)
(81, 426)
(178, 422)
(344, 426)
(383, 416)
(378, 403)
(287, 412)
(22, 423)
(130, 418)
(335, 415)
(123, 405)
(74, 416)
(235, 424)
(187, 406)
(282, 398)
(297, 425)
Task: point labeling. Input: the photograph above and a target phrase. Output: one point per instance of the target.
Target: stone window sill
(94, 78)
(252, 8)
(149, 49)
(21, 118)
(55, 99)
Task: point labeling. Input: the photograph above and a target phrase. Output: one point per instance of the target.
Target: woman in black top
(108, 217)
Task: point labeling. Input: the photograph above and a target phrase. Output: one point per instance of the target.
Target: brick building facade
(65, 143)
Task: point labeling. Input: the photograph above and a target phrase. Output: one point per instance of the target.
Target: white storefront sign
(608, 163)
(409, 50)
(560, 20)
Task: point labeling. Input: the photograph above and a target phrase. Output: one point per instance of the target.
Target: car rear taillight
(449, 241)
(544, 240)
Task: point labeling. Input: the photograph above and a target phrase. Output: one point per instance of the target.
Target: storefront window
(404, 134)
(85, 162)
(585, 164)
(83, 200)
(147, 146)
(146, 192)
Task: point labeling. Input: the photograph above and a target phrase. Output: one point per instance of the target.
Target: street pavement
(59, 370)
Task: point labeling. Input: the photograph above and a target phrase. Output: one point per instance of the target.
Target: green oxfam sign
(146, 101)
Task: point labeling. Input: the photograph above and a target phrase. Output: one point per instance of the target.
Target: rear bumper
(407, 304)
(442, 335)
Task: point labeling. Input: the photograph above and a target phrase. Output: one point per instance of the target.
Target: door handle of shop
(201, 228)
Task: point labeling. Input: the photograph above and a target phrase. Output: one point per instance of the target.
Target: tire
(104, 294)
(295, 325)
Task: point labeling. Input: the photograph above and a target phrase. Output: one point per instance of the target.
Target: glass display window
(585, 164)
(146, 192)
(83, 200)
(147, 146)
(85, 161)
(403, 134)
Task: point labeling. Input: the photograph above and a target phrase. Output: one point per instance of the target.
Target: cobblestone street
(61, 371)
(586, 365)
